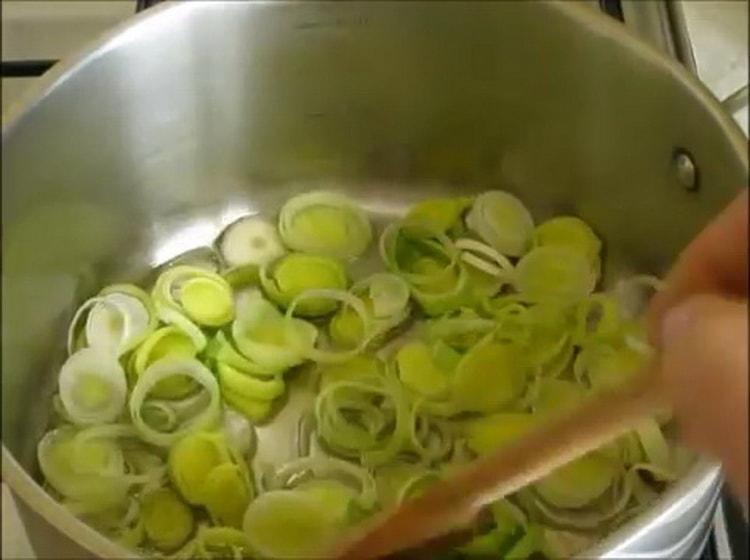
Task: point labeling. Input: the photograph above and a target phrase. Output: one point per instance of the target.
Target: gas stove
(710, 38)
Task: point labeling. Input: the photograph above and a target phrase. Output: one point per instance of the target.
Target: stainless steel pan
(177, 122)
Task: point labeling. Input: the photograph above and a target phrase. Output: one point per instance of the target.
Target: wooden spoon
(452, 504)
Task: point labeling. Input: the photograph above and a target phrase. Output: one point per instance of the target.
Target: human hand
(699, 323)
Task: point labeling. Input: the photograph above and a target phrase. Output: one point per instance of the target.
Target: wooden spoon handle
(453, 503)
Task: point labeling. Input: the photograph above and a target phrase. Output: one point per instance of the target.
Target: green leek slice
(337, 497)
(167, 521)
(418, 254)
(655, 447)
(488, 377)
(262, 334)
(252, 409)
(222, 350)
(557, 396)
(363, 365)
(579, 482)
(306, 345)
(191, 460)
(346, 329)
(501, 220)
(417, 371)
(386, 299)
(605, 366)
(439, 214)
(194, 294)
(571, 232)
(88, 472)
(226, 495)
(163, 369)
(219, 543)
(368, 418)
(555, 273)
(598, 318)
(297, 273)
(326, 224)
(93, 387)
(163, 342)
(244, 385)
(492, 432)
(290, 524)
(242, 276)
(249, 395)
(450, 295)
(329, 469)
(461, 329)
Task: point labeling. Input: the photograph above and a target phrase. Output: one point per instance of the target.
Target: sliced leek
(92, 386)
(296, 274)
(167, 521)
(325, 223)
(263, 335)
(501, 220)
(488, 377)
(166, 341)
(480, 327)
(164, 369)
(556, 273)
(250, 241)
(117, 320)
(440, 214)
(290, 524)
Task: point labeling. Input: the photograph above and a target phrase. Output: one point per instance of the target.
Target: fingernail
(675, 323)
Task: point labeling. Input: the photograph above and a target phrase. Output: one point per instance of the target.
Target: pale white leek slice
(238, 432)
(117, 320)
(325, 223)
(93, 387)
(116, 331)
(90, 473)
(388, 293)
(250, 241)
(501, 220)
(499, 264)
(162, 369)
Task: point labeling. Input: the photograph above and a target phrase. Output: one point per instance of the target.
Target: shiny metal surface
(175, 124)
(660, 23)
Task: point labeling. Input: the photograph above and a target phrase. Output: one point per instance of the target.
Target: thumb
(704, 364)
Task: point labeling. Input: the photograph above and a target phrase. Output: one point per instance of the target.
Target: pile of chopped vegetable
(480, 324)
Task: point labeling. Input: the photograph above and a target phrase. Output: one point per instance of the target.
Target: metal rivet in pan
(685, 170)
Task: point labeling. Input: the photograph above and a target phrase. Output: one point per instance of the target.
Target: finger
(704, 364)
(714, 262)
